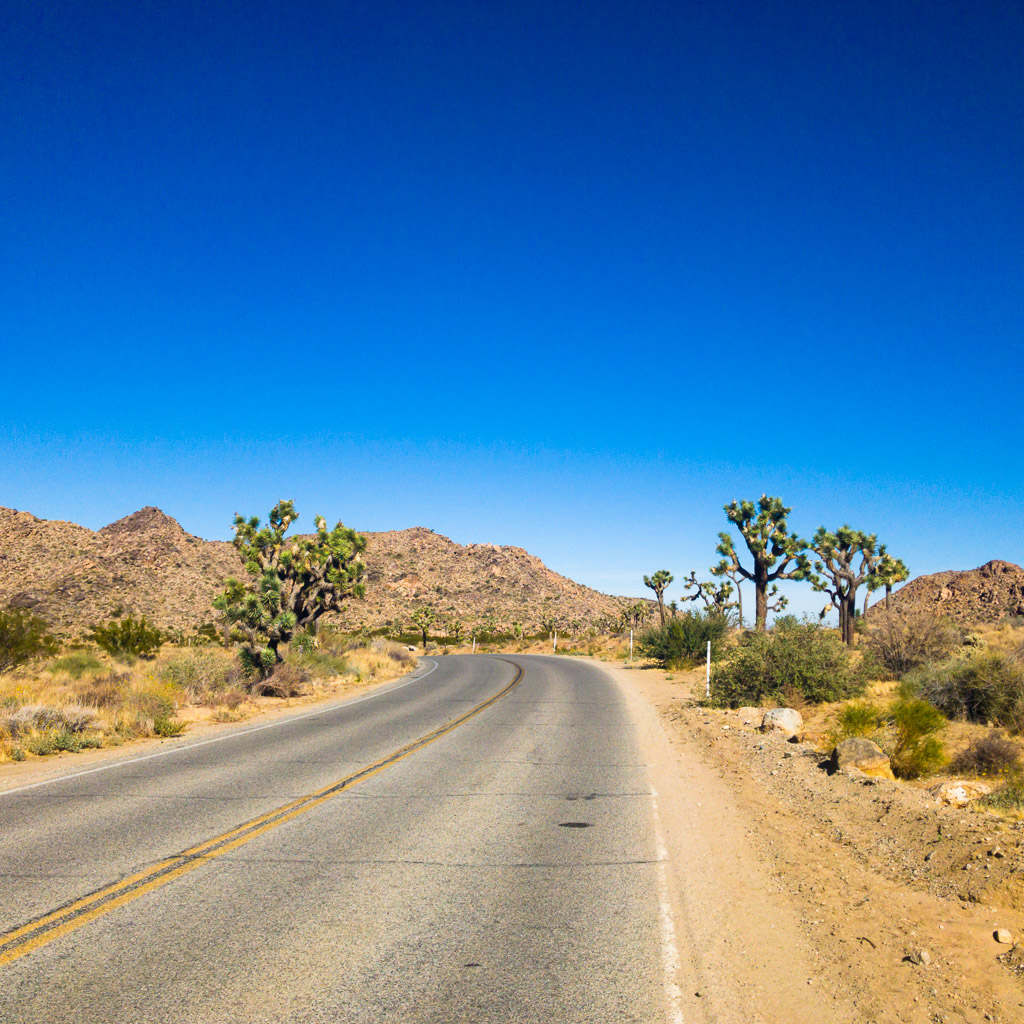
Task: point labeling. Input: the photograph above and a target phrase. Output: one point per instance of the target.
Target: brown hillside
(986, 594)
(146, 564)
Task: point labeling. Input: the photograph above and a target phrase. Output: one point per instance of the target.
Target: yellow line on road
(49, 927)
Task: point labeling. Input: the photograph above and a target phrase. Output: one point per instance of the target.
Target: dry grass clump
(991, 755)
(898, 642)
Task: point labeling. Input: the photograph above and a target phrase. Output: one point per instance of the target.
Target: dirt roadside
(804, 897)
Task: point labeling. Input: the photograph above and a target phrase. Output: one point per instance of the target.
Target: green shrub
(150, 704)
(989, 755)
(861, 718)
(794, 663)
(983, 687)
(683, 640)
(76, 664)
(23, 636)
(318, 664)
(168, 726)
(304, 643)
(128, 637)
(913, 748)
(899, 642)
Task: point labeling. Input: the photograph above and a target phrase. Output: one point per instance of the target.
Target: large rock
(786, 721)
(958, 793)
(863, 755)
(750, 717)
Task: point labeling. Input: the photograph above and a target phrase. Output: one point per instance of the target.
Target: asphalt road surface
(505, 869)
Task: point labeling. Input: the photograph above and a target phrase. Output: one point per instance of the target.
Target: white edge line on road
(669, 947)
(220, 739)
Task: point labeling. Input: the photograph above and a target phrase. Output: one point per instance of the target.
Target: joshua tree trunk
(867, 597)
(761, 605)
(888, 591)
(739, 602)
(849, 617)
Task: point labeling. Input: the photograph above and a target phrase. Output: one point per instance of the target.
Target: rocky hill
(146, 564)
(986, 594)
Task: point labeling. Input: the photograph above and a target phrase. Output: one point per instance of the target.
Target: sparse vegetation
(986, 687)
(901, 641)
(846, 560)
(794, 663)
(910, 738)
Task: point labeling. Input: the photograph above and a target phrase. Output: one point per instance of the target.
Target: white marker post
(554, 642)
(474, 645)
(708, 688)
(631, 645)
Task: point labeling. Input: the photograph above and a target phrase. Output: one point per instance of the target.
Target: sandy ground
(809, 897)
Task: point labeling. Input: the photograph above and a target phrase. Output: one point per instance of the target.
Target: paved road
(448, 886)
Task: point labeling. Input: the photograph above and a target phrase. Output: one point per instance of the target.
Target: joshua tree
(658, 582)
(734, 575)
(773, 549)
(423, 618)
(888, 572)
(292, 583)
(517, 629)
(716, 596)
(837, 554)
(455, 630)
(549, 625)
(673, 607)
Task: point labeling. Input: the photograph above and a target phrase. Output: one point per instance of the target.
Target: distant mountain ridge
(147, 564)
(986, 594)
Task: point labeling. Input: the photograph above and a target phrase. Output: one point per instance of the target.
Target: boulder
(863, 755)
(750, 717)
(959, 793)
(786, 721)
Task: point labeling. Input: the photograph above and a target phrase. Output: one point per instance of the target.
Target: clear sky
(563, 275)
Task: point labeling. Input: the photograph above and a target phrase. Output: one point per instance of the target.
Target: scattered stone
(996, 852)
(863, 755)
(959, 793)
(920, 957)
(929, 855)
(786, 721)
(1003, 936)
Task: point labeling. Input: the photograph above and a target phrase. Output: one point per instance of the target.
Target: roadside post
(708, 686)
(631, 645)
(554, 642)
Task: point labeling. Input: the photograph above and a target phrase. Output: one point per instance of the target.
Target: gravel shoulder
(810, 897)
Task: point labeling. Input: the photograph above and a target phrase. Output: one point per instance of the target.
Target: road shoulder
(785, 923)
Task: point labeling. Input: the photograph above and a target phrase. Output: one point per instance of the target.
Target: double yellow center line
(72, 916)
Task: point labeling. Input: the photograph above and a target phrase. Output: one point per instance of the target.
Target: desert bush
(75, 664)
(801, 662)
(287, 680)
(683, 640)
(28, 717)
(200, 673)
(23, 636)
(151, 703)
(168, 726)
(130, 637)
(989, 755)
(899, 642)
(983, 687)
(304, 643)
(316, 665)
(910, 741)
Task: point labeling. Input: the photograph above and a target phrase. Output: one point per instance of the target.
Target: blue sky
(569, 276)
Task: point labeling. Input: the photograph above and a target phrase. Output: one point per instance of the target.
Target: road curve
(507, 870)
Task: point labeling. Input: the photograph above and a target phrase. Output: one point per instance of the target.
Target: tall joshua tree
(292, 582)
(776, 554)
(658, 583)
(846, 559)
